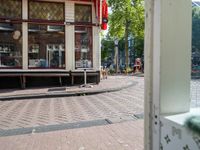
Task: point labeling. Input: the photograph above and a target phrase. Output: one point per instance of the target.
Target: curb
(64, 94)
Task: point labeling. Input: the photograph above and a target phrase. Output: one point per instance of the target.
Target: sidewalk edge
(64, 94)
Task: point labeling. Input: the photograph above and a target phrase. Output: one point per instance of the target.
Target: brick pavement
(116, 106)
(121, 136)
(41, 112)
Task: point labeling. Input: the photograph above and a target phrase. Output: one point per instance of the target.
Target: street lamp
(116, 41)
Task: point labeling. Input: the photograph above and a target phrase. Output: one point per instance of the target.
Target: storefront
(50, 38)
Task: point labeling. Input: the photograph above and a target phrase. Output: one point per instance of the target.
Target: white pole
(85, 77)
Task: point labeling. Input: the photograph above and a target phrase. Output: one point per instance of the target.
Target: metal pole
(85, 77)
(85, 85)
(116, 56)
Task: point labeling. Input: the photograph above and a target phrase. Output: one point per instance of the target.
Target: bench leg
(23, 82)
(60, 81)
(72, 80)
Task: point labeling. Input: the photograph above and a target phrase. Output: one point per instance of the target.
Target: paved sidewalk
(113, 83)
(121, 136)
(106, 121)
(123, 104)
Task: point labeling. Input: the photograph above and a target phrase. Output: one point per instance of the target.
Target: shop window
(83, 13)
(46, 11)
(11, 9)
(46, 46)
(10, 45)
(83, 47)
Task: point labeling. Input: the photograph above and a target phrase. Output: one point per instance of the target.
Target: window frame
(92, 59)
(13, 67)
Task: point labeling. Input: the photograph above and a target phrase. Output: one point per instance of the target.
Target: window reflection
(10, 45)
(83, 47)
(46, 45)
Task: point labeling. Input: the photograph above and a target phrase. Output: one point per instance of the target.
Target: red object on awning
(104, 25)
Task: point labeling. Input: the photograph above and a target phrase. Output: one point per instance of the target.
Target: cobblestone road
(40, 112)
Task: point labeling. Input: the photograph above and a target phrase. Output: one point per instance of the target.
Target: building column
(25, 35)
(96, 49)
(69, 47)
(167, 63)
(69, 36)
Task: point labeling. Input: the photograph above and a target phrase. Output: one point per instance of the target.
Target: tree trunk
(126, 47)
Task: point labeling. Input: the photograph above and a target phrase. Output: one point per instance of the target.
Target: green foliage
(111, 71)
(196, 28)
(127, 18)
(121, 45)
(107, 47)
(137, 23)
(196, 13)
(126, 13)
(121, 13)
(193, 124)
(139, 46)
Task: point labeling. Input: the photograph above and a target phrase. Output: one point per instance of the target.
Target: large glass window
(83, 13)
(11, 9)
(46, 45)
(83, 47)
(10, 45)
(46, 10)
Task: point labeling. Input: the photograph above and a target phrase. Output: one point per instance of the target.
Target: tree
(127, 18)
